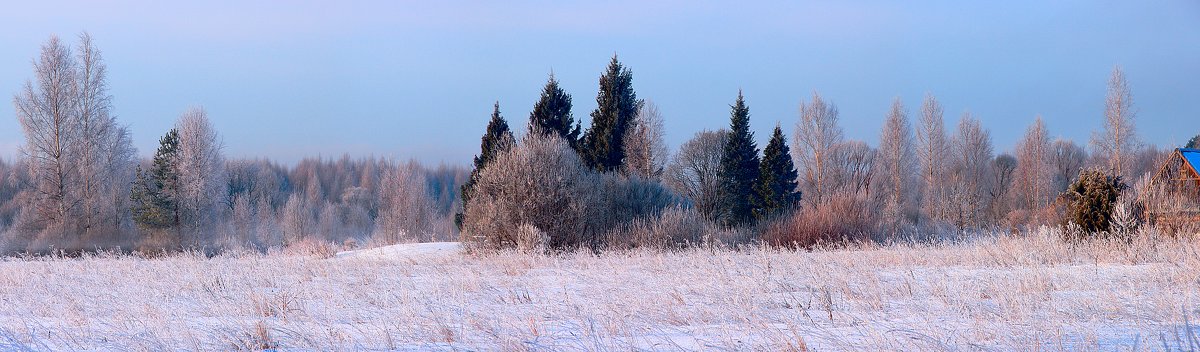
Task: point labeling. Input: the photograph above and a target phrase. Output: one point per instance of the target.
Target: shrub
(626, 199)
(311, 247)
(676, 227)
(1127, 217)
(1027, 219)
(543, 185)
(842, 217)
(531, 239)
(1091, 201)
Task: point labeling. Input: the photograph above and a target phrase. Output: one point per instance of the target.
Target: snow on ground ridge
(404, 250)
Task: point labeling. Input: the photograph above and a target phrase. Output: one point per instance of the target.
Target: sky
(416, 80)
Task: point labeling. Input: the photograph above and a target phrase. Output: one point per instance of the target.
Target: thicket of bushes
(840, 218)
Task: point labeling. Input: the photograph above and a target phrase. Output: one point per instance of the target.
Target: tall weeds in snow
(1027, 291)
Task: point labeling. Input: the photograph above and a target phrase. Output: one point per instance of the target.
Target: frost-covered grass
(1009, 293)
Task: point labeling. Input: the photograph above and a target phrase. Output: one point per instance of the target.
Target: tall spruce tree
(552, 114)
(776, 185)
(497, 139)
(155, 193)
(616, 105)
(739, 168)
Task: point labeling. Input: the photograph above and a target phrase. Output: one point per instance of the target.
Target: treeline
(553, 184)
(79, 186)
(615, 184)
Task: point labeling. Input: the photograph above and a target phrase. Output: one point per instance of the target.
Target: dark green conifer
(616, 105)
(155, 193)
(497, 139)
(739, 168)
(552, 114)
(776, 185)
(1091, 201)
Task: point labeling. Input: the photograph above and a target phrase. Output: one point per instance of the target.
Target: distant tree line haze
(78, 184)
(560, 183)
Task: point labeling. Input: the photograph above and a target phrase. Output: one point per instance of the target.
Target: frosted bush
(673, 228)
(543, 183)
(531, 239)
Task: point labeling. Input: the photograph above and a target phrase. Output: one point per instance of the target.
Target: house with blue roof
(1172, 196)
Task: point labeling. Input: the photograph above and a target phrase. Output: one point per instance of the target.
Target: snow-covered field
(1007, 293)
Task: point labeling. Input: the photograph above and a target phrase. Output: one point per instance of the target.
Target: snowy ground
(404, 251)
(1023, 293)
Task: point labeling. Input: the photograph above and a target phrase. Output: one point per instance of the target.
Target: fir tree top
(739, 167)
(552, 113)
(739, 121)
(777, 187)
(163, 170)
(497, 138)
(154, 193)
(616, 105)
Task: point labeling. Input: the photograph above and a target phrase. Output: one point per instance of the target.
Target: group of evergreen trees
(752, 188)
(601, 146)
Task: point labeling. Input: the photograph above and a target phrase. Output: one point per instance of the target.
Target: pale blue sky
(417, 79)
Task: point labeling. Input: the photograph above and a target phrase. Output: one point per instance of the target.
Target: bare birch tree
(969, 178)
(80, 157)
(1118, 141)
(330, 225)
(404, 213)
(895, 160)
(242, 230)
(932, 152)
(693, 172)
(1033, 176)
(645, 149)
(817, 133)
(202, 178)
(851, 169)
(47, 114)
(1002, 172)
(297, 220)
(266, 224)
(106, 153)
(1066, 159)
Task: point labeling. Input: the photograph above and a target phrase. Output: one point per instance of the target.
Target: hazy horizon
(415, 80)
